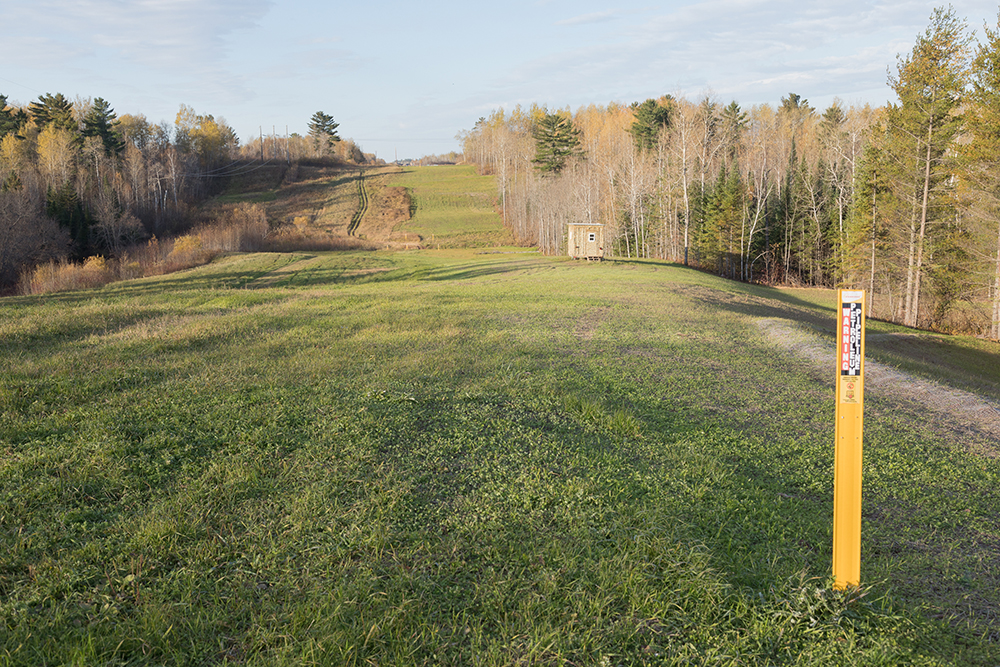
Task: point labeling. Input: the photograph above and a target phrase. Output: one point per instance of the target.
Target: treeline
(77, 180)
(902, 201)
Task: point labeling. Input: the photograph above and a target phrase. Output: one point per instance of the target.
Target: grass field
(450, 206)
(453, 206)
(463, 459)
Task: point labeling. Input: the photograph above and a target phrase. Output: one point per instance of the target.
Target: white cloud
(373, 65)
(753, 50)
(157, 33)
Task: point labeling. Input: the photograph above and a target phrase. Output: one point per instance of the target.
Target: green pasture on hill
(452, 206)
(451, 458)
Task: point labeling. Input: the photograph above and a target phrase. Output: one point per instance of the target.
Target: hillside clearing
(390, 207)
(453, 206)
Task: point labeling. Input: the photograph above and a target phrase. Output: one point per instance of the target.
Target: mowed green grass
(448, 458)
(453, 206)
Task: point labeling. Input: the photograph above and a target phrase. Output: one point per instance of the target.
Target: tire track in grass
(964, 407)
(285, 274)
(352, 228)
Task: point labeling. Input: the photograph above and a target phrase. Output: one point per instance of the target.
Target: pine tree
(723, 214)
(323, 130)
(55, 110)
(794, 111)
(100, 121)
(557, 141)
(651, 119)
(981, 163)
(11, 120)
(732, 121)
(922, 130)
(795, 104)
(64, 206)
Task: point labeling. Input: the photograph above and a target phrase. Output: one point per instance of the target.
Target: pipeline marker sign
(848, 435)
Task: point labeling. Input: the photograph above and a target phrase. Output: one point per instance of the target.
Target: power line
(409, 140)
(21, 85)
(238, 171)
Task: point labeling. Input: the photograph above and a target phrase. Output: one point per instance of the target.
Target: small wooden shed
(585, 240)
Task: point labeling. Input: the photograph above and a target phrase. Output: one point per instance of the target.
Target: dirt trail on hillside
(388, 207)
(342, 201)
(964, 408)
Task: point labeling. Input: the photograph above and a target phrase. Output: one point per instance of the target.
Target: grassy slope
(451, 206)
(324, 197)
(454, 206)
(449, 458)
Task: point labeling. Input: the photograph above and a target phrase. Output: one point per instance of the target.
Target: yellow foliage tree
(210, 139)
(56, 155)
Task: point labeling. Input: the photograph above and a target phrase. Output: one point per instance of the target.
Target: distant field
(454, 458)
(453, 206)
(449, 206)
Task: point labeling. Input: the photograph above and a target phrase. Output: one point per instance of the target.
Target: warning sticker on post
(851, 347)
(850, 390)
(851, 323)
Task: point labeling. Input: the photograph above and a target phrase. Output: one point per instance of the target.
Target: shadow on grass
(474, 270)
(959, 361)
(953, 360)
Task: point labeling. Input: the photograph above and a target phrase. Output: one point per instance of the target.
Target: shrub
(187, 251)
(241, 228)
(63, 276)
(289, 240)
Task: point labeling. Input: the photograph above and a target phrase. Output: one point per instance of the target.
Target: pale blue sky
(403, 78)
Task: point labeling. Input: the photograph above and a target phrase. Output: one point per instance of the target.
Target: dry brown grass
(290, 240)
(239, 228)
(63, 276)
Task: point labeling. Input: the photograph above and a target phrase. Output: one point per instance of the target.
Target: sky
(403, 79)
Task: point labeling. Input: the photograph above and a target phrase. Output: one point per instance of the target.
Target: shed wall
(585, 241)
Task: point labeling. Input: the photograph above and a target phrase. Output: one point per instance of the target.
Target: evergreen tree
(794, 112)
(719, 235)
(789, 215)
(795, 104)
(838, 179)
(556, 142)
(11, 120)
(732, 120)
(822, 225)
(101, 121)
(55, 110)
(651, 119)
(869, 259)
(981, 165)
(323, 130)
(922, 130)
(833, 119)
(64, 206)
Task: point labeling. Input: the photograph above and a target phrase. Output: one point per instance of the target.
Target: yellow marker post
(847, 457)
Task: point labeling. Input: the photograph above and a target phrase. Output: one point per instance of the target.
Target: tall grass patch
(62, 276)
(239, 228)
